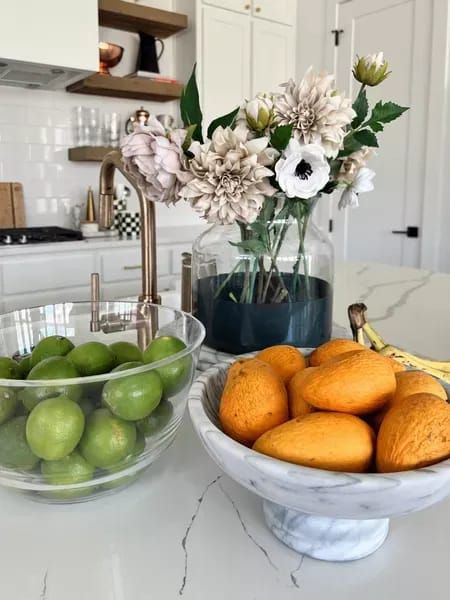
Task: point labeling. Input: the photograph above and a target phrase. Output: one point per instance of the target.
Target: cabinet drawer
(32, 274)
(125, 265)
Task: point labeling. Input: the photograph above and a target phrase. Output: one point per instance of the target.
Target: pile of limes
(68, 431)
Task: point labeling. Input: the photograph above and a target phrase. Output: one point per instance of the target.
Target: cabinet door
(242, 6)
(224, 61)
(281, 11)
(273, 50)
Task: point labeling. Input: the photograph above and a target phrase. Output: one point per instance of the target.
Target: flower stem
(302, 218)
(225, 281)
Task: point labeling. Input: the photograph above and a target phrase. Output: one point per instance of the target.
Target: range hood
(48, 44)
(37, 76)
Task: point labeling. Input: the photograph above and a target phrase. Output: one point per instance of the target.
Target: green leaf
(361, 107)
(225, 121)
(350, 145)
(191, 112)
(375, 126)
(188, 139)
(281, 136)
(254, 246)
(366, 138)
(386, 112)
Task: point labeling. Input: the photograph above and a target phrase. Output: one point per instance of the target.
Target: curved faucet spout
(111, 162)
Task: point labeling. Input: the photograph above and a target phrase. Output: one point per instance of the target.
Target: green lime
(139, 447)
(8, 403)
(125, 352)
(14, 449)
(24, 366)
(157, 420)
(9, 369)
(133, 364)
(133, 397)
(107, 439)
(55, 427)
(54, 367)
(68, 470)
(92, 358)
(53, 345)
(176, 374)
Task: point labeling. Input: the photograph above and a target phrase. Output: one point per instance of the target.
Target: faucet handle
(186, 282)
(95, 298)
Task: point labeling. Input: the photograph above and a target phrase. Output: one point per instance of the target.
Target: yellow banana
(359, 325)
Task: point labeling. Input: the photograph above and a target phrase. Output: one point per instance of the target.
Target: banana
(360, 327)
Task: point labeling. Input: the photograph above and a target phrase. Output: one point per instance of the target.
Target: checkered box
(119, 205)
(129, 224)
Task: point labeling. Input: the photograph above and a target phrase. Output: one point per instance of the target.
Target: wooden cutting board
(12, 208)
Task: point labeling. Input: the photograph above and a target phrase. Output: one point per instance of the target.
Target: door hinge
(337, 35)
(330, 225)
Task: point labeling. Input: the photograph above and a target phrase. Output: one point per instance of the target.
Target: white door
(273, 51)
(402, 29)
(281, 11)
(224, 61)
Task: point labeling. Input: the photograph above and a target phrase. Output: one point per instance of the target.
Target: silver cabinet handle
(132, 267)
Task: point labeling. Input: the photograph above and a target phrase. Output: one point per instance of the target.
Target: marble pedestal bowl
(326, 515)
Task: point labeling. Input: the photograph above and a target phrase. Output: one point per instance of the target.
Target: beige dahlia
(318, 113)
(227, 179)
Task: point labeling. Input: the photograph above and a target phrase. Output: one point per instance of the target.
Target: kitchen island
(185, 530)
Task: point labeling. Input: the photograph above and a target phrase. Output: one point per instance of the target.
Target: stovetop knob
(7, 239)
(23, 239)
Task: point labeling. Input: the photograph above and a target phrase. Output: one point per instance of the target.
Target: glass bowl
(79, 477)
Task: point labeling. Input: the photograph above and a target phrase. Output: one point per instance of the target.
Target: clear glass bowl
(105, 322)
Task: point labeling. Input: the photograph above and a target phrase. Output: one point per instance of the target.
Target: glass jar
(267, 283)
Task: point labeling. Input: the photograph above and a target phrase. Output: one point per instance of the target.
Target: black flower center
(303, 170)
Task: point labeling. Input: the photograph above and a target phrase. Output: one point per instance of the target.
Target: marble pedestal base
(323, 537)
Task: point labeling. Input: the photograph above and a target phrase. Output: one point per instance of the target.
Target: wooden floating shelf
(89, 153)
(135, 18)
(127, 87)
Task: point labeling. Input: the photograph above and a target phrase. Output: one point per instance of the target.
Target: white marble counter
(185, 530)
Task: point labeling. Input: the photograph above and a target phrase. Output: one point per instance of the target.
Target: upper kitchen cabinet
(272, 44)
(281, 11)
(224, 63)
(47, 44)
(242, 6)
(241, 52)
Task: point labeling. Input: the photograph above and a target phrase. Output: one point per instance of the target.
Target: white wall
(35, 134)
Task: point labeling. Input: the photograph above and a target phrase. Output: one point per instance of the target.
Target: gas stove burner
(37, 235)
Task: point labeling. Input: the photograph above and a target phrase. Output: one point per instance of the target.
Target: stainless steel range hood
(36, 76)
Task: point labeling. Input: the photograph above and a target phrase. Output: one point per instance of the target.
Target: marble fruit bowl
(324, 514)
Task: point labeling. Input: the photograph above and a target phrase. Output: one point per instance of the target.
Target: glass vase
(267, 283)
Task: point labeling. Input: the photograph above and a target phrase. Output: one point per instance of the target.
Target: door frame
(437, 125)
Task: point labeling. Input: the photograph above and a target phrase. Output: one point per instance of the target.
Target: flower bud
(371, 69)
(259, 113)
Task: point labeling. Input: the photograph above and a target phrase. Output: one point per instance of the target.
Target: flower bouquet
(263, 273)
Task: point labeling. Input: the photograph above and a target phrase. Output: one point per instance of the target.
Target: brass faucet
(111, 162)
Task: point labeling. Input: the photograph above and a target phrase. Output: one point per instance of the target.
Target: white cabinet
(272, 44)
(242, 6)
(280, 11)
(47, 43)
(241, 51)
(224, 65)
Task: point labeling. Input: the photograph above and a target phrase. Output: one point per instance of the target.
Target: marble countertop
(187, 531)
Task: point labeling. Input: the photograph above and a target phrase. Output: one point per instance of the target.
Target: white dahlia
(227, 179)
(318, 113)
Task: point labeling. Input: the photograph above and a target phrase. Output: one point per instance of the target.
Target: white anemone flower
(303, 170)
(361, 183)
